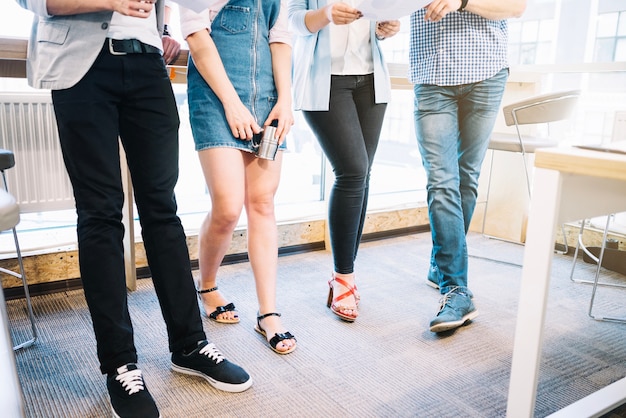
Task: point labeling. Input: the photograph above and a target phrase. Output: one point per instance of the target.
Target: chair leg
(29, 306)
(579, 245)
(565, 249)
(526, 176)
(21, 275)
(482, 231)
(598, 260)
(526, 172)
(485, 220)
(596, 283)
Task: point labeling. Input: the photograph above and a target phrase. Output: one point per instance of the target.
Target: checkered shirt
(461, 48)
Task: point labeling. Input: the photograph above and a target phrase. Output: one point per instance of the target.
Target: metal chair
(9, 218)
(598, 259)
(541, 109)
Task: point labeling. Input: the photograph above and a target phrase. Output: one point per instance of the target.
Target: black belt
(130, 46)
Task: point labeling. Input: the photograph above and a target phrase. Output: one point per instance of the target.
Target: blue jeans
(453, 125)
(348, 133)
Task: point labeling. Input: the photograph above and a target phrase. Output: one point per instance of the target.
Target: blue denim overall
(241, 34)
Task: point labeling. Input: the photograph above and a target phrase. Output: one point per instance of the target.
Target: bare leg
(223, 170)
(262, 178)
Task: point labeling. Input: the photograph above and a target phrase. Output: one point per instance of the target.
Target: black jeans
(130, 96)
(348, 133)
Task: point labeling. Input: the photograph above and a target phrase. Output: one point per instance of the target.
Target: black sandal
(218, 310)
(278, 337)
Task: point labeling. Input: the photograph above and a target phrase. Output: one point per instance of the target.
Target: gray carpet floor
(386, 364)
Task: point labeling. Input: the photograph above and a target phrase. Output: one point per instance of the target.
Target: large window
(610, 42)
(530, 42)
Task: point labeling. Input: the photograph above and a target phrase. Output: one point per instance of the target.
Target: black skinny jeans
(130, 96)
(348, 133)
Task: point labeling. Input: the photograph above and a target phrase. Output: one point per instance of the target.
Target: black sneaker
(208, 362)
(129, 396)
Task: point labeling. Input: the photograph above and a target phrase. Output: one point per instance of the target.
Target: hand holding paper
(342, 14)
(387, 28)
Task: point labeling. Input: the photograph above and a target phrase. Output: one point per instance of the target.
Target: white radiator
(38, 181)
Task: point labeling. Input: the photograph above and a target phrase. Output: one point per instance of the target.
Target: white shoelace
(444, 300)
(211, 351)
(132, 382)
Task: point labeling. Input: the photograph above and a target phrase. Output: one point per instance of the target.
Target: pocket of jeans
(427, 101)
(235, 19)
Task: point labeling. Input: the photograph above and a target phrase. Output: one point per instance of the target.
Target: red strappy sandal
(332, 301)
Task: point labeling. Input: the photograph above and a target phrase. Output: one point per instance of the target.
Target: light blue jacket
(311, 58)
(63, 48)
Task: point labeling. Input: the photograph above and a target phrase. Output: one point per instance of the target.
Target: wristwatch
(166, 31)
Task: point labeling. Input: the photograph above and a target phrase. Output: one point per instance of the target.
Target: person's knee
(352, 177)
(262, 206)
(224, 220)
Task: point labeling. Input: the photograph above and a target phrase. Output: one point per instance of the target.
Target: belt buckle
(112, 51)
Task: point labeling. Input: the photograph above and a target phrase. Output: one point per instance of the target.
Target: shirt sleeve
(192, 22)
(280, 31)
(297, 13)
(38, 7)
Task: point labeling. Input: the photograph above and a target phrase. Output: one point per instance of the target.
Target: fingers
(386, 29)
(135, 8)
(438, 9)
(171, 49)
(246, 131)
(241, 122)
(342, 14)
(283, 129)
(285, 121)
(145, 6)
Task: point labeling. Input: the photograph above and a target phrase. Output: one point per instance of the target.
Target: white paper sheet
(389, 9)
(195, 5)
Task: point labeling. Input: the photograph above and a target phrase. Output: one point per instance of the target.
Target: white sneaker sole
(432, 284)
(447, 326)
(226, 387)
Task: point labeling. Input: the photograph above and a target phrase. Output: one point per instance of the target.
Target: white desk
(569, 184)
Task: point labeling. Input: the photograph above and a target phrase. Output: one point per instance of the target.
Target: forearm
(316, 20)
(133, 8)
(73, 7)
(208, 62)
(496, 9)
(281, 67)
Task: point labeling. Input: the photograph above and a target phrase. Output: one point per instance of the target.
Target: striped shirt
(461, 48)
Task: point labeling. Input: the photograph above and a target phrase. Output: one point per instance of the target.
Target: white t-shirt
(126, 27)
(351, 51)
